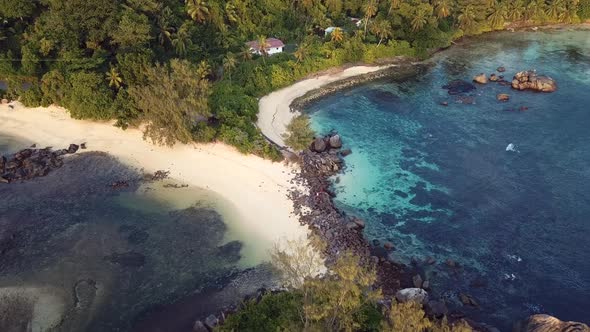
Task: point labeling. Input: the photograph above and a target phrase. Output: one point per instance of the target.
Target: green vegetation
(299, 133)
(97, 57)
(342, 300)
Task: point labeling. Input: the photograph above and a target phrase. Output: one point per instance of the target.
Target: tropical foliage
(95, 56)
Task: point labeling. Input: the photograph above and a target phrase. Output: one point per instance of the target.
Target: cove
(148, 256)
(438, 181)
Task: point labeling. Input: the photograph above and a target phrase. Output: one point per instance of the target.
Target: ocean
(438, 181)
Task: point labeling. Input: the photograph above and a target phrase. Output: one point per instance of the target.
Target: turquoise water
(438, 181)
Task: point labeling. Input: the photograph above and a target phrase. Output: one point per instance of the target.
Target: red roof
(271, 42)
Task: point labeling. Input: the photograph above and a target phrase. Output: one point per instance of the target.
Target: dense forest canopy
(100, 58)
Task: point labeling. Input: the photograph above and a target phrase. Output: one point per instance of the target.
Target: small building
(273, 46)
(356, 21)
(329, 30)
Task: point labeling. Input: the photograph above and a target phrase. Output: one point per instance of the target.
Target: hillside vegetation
(183, 69)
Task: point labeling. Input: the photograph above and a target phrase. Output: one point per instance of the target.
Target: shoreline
(278, 108)
(274, 109)
(255, 190)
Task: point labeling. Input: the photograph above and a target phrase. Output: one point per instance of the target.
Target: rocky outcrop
(528, 80)
(319, 145)
(412, 294)
(546, 323)
(31, 163)
(340, 232)
(481, 79)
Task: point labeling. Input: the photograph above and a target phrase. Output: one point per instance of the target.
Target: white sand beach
(274, 109)
(255, 188)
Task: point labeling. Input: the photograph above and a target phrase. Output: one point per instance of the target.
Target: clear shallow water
(438, 181)
(113, 259)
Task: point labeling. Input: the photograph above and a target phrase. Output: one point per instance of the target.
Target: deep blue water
(438, 181)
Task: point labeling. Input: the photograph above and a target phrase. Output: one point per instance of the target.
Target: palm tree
(203, 70)
(535, 10)
(230, 12)
(516, 10)
(263, 45)
(381, 29)
(443, 8)
(114, 79)
(229, 63)
(419, 20)
(370, 11)
(393, 4)
(337, 35)
(164, 26)
(182, 40)
(467, 19)
(556, 9)
(496, 18)
(246, 53)
(301, 52)
(198, 10)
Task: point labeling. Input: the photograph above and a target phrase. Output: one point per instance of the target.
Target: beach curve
(274, 109)
(256, 188)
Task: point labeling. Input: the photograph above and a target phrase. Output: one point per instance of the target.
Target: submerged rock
(128, 259)
(546, 323)
(459, 86)
(503, 97)
(481, 79)
(528, 80)
(468, 300)
(501, 69)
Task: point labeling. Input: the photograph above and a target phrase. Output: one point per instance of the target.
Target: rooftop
(271, 42)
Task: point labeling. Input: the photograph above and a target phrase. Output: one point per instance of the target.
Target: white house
(274, 46)
(329, 30)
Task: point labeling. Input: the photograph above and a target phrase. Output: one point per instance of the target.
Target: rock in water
(546, 323)
(417, 281)
(73, 148)
(501, 69)
(335, 142)
(468, 300)
(528, 80)
(494, 78)
(481, 79)
(503, 97)
(319, 145)
(412, 294)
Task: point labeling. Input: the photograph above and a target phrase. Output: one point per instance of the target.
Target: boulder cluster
(528, 80)
(340, 232)
(31, 163)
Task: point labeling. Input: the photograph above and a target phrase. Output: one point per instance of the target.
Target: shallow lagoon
(151, 256)
(438, 181)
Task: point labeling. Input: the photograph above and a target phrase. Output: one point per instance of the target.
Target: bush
(88, 97)
(274, 312)
(584, 10)
(32, 97)
(299, 133)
